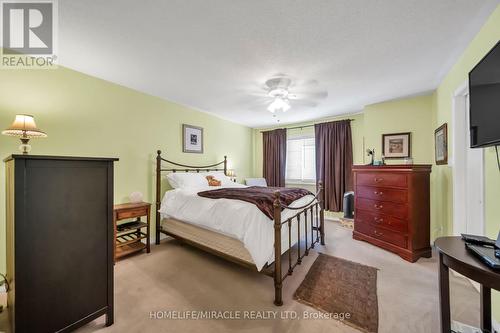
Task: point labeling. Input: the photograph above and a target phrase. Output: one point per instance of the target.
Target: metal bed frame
(314, 210)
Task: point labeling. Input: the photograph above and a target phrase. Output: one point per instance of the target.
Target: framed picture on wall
(192, 139)
(441, 144)
(396, 145)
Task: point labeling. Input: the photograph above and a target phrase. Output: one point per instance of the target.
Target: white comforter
(238, 219)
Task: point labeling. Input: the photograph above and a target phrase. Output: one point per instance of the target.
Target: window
(300, 160)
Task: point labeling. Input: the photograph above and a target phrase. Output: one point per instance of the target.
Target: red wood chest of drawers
(392, 208)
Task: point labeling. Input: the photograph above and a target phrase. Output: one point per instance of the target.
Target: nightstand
(129, 235)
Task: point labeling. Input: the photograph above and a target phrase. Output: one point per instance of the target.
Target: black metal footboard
(312, 215)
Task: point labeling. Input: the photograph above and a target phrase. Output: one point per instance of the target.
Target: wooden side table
(129, 235)
(454, 255)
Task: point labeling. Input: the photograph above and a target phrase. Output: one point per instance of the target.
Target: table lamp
(24, 128)
(232, 175)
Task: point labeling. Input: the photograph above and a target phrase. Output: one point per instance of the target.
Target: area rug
(344, 290)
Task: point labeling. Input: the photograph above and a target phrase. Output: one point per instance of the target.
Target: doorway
(468, 170)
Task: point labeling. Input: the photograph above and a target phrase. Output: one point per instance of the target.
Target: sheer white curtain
(301, 159)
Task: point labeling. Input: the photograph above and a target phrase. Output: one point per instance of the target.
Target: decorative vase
(135, 197)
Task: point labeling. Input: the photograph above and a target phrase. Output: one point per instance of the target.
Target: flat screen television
(484, 95)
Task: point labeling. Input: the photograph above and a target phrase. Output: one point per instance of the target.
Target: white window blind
(300, 160)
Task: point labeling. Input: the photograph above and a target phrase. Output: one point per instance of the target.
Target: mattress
(236, 219)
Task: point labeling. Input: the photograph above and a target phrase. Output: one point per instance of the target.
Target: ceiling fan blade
(256, 104)
(262, 94)
(249, 100)
(303, 103)
(254, 90)
(308, 95)
(305, 84)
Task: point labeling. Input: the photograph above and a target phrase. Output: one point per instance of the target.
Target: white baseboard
(459, 327)
(495, 325)
(464, 328)
(476, 285)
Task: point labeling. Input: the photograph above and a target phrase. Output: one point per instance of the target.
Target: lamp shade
(24, 126)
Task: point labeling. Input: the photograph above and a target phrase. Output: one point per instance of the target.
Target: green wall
(85, 116)
(442, 184)
(415, 115)
(404, 115)
(481, 44)
(90, 117)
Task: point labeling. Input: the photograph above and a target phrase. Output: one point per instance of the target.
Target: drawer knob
(378, 192)
(379, 220)
(378, 206)
(378, 233)
(378, 180)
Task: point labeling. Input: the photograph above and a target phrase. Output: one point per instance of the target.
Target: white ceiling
(211, 54)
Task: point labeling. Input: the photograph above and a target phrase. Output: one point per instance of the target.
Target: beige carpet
(177, 277)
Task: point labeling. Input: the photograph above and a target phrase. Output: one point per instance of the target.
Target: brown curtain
(274, 157)
(334, 161)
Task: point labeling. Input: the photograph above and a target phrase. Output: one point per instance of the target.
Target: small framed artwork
(396, 145)
(441, 144)
(192, 139)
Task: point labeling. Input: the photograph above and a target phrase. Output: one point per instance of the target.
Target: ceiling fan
(281, 93)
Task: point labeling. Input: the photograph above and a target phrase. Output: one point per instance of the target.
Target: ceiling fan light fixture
(278, 104)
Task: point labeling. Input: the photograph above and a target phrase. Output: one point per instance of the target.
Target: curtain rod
(305, 126)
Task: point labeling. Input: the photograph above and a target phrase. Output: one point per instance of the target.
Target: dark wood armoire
(392, 208)
(59, 241)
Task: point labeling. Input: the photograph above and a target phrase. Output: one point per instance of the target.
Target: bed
(257, 241)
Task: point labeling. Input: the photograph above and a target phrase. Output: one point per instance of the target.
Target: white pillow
(187, 180)
(256, 182)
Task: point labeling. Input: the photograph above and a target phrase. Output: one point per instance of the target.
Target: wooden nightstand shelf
(129, 235)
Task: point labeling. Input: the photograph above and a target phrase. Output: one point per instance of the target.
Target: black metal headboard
(179, 168)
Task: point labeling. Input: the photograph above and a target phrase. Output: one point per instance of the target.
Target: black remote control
(478, 240)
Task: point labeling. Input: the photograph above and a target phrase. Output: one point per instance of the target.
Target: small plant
(371, 152)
